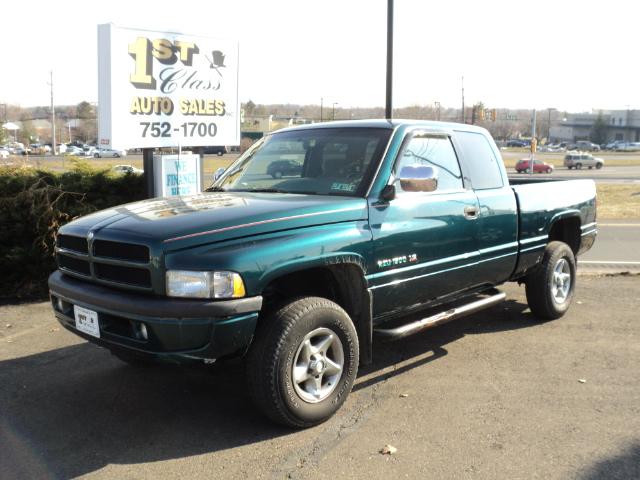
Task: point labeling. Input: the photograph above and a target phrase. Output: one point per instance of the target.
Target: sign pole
(147, 165)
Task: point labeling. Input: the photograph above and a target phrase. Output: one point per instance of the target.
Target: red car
(539, 166)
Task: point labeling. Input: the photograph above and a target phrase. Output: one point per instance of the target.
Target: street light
(333, 110)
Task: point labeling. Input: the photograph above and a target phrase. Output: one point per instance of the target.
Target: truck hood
(179, 222)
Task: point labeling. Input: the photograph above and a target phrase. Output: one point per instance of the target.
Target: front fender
(261, 259)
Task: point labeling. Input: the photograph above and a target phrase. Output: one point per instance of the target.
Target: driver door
(424, 242)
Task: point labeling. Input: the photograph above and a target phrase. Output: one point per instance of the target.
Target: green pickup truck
(376, 229)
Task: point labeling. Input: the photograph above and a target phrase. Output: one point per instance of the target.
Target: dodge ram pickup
(382, 229)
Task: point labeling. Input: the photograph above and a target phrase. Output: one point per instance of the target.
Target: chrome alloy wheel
(561, 281)
(318, 365)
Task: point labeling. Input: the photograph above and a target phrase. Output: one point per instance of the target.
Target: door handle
(471, 213)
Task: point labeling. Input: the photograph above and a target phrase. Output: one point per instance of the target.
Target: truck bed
(544, 202)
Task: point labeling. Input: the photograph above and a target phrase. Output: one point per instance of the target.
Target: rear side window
(479, 160)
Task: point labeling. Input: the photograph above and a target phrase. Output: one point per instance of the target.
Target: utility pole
(333, 110)
(437, 105)
(321, 105)
(53, 116)
(533, 142)
(389, 101)
(463, 119)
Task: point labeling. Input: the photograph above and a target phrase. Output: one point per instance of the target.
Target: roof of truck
(383, 123)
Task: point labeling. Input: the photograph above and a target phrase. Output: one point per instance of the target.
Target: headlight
(187, 283)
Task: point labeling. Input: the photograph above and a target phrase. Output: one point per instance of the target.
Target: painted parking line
(604, 262)
(619, 225)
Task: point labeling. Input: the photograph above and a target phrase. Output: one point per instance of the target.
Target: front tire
(550, 287)
(303, 362)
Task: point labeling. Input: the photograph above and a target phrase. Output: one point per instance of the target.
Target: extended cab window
(479, 160)
(436, 152)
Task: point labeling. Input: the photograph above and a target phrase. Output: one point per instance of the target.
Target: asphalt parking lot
(496, 395)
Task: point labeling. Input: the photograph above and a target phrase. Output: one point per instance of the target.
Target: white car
(4, 153)
(108, 152)
(124, 169)
(74, 151)
(628, 147)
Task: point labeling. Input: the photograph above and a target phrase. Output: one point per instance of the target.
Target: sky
(569, 55)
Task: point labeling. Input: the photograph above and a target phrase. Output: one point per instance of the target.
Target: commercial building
(622, 125)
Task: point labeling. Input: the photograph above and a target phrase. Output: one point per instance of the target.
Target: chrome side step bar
(440, 318)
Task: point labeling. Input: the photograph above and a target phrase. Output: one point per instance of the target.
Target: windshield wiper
(215, 189)
(277, 190)
(260, 190)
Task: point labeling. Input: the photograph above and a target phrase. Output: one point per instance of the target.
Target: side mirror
(218, 173)
(419, 178)
(388, 193)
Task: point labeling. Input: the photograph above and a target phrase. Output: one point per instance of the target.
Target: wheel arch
(566, 228)
(340, 279)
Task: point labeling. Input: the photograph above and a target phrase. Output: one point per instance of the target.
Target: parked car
(515, 142)
(297, 275)
(109, 153)
(4, 153)
(284, 168)
(127, 169)
(587, 146)
(215, 150)
(539, 166)
(578, 160)
(74, 151)
(628, 147)
(613, 145)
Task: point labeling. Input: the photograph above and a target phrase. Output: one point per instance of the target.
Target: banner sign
(161, 89)
(177, 175)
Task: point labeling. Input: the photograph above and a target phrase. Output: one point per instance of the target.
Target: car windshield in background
(322, 161)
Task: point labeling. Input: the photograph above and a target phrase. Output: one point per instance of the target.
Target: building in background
(621, 125)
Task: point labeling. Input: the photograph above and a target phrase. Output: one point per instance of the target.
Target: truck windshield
(322, 161)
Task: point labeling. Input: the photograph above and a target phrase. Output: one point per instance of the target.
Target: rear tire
(550, 287)
(303, 362)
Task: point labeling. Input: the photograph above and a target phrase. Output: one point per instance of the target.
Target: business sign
(161, 89)
(178, 175)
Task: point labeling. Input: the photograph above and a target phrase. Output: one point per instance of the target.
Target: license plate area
(86, 321)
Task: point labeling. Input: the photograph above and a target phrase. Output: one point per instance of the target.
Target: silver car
(109, 153)
(578, 160)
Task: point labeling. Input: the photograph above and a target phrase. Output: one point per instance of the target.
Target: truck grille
(123, 264)
(77, 244)
(74, 264)
(121, 251)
